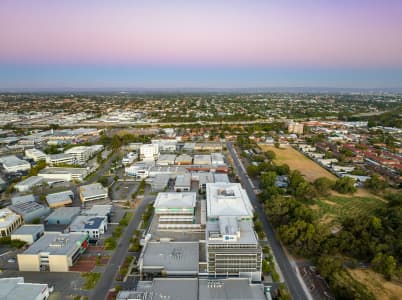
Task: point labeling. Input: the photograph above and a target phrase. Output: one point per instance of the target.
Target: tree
(322, 185)
(270, 155)
(268, 179)
(345, 185)
(375, 184)
(252, 171)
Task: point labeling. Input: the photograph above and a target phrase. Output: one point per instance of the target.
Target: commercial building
(217, 159)
(183, 183)
(175, 204)
(166, 159)
(60, 199)
(92, 193)
(166, 145)
(93, 225)
(139, 170)
(9, 221)
(13, 164)
(62, 216)
(30, 211)
(60, 159)
(63, 174)
(203, 178)
(149, 152)
(233, 249)
(172, 171)
(54, 252)
(184, 159)
(208, 147)
(203, 159)
(35, 154)
(99, 210)
(80, 154)
(160, 182)
(221, 178)
(15, 288)
(28, 233)
(294, 127)
(228, 199)
(196, 289)
(27, 184)
(169, 259)
(22, 199)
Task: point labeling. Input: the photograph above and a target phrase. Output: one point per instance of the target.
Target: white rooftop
(7, 217)
(59, 197)
(227, 199)
(175, 200)
(92, 190)
(15, 288)
(12, 161)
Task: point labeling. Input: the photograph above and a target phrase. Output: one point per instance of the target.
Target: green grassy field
(338, 207)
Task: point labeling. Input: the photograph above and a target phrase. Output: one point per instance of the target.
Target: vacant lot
(298, 161)
(335, 207)
(381, 288)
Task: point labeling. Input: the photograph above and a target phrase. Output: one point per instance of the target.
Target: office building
(295, 127)
(13, 164)
(28, 233)
(35, 154)
(63, 174)
(183, 183)
(28, 184)
(54, 252)
(149, 152)
(60, 159)
(16, 289)
(60, 199)
(94, 226)
(80, 154)
(93, 193)
(9, 221)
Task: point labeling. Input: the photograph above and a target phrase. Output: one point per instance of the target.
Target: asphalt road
(292, 282)
(119, 254)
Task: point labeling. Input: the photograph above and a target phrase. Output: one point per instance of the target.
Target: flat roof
(60, 156)
(64, 212)
(7, 217)
(172, 256)
(30, 181)
(86, 222)
(98, 210)
(24, 208)
(60, 170)
(92, 190)
(175, 200)
(227, 199)
(78, 149)
(202, 159)
(13, 161)
(15, 288)
(183, 180)
(31, 229)
(59, 197)
(243, 229)
(56, 243)
(230, 289)
(167, 157)
(22, 199)
(221, 177)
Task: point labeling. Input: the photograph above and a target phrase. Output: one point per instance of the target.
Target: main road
(292, 281)
(106, 281)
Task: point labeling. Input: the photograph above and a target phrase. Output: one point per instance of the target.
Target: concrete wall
(58, 263)
(28, 262)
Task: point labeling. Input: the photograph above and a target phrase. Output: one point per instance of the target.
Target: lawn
(297, 161)
(335, 207)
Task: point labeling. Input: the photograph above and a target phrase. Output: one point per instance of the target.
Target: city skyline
(154, 44)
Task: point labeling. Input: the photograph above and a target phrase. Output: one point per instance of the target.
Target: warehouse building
(63, 174)
(217, 159)
(30, 211)
(202, 159)
(9, 221)
(91, 193)
(60, 199)
(99, 210)
(15, 288)
(183, 183)
(54, 252)
(28, 233)
(22, 199)
(160, 182)
(166, 159)
(62, 215)
(13, 164)
(35, 154)
(184, 159)
(28, 184)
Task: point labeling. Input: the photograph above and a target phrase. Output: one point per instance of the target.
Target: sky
(209, 43)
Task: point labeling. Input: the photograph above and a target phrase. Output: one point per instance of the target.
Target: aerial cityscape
(196, 150)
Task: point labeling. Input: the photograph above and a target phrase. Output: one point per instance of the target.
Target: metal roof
(175, 200)
(60, 197)
(29, 229)
(15, 288)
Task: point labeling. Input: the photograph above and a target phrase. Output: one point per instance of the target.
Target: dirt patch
(314, 207)
(330, 202)
(298, 161)
(381, 288)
